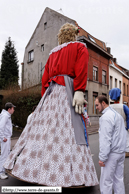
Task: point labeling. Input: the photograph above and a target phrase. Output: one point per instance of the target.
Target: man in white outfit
(5, 135)
(123, 110)
(112, 146)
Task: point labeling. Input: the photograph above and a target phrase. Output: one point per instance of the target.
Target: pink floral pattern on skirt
(47, 150)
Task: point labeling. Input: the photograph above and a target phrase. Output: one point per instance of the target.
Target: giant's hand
(78, 101)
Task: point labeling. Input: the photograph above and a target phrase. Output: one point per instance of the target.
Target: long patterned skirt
(46, 152)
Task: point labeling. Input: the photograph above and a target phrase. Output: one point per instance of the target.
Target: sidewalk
(14, 138)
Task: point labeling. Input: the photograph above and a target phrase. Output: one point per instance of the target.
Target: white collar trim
(59, 47)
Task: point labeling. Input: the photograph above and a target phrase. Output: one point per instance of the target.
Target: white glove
(78, 101)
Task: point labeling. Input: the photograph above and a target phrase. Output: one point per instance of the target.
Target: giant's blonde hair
(67, 33)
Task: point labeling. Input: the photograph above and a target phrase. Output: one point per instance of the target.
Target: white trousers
(5, 150)
(112, 175)
(127, 142)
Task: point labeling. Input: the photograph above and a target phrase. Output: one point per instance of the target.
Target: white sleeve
(2, 127)
(105, 138)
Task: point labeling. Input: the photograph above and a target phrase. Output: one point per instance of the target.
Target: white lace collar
(59, 47)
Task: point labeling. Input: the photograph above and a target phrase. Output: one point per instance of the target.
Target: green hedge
(24, 102)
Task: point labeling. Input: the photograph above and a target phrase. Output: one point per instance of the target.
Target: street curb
(13, 138)
(93, 133)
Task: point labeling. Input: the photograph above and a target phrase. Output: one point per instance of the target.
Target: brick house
(126, 90)
(98, 72)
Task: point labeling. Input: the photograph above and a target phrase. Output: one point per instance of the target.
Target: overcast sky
(107, 20)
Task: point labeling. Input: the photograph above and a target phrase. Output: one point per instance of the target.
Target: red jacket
(69, 59)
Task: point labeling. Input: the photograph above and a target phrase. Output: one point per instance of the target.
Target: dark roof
(92, 38)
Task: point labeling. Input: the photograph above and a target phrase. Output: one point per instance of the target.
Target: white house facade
(42, 41)
(115, 80)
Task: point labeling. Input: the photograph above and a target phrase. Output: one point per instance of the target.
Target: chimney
(109, 50)
(114, 60)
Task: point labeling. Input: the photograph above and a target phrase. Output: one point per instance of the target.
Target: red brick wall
(118, 66)
(99, 61)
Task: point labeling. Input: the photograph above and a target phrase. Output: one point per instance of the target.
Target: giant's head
(67, 33)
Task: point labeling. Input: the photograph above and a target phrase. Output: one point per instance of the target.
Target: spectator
(5, 135)
(123, 110)
(112, 145)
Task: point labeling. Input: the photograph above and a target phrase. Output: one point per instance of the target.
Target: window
(95, 94)
(31, 56)
(124, 88)
(120, 85)
(110, 82)
(115, 83)
(45, 25)
(92, 39)
(103, 77)
(104, 94)
(127, 90)
(42, 47)
(95, 73)
(86, 95)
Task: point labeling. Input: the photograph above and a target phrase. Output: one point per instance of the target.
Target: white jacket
(5, 125)
(112, 133)
(120, 109)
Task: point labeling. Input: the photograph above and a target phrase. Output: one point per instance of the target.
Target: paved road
(94, 145)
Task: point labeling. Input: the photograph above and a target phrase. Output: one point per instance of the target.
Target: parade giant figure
(53, 149)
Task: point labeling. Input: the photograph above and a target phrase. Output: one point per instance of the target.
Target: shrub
(24, 102)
